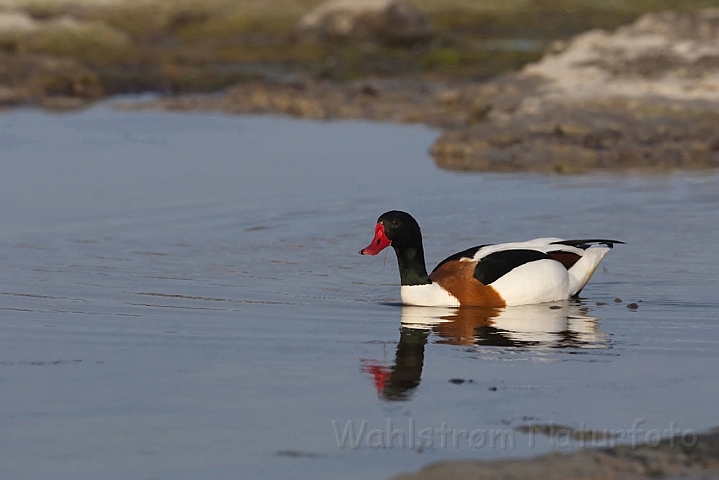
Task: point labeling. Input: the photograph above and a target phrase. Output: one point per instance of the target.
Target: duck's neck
(412, 270)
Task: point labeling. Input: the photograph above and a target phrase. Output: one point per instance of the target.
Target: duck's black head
(402, 232)
(395, 228)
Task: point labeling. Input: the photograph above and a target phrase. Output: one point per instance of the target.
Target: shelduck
(506, 274)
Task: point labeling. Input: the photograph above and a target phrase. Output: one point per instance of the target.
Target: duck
(492, 276)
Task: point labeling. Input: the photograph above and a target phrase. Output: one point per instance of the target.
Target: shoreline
(672, 457)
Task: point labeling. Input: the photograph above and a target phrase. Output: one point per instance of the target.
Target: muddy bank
(398, 100)
(573, 136)
(673, 458)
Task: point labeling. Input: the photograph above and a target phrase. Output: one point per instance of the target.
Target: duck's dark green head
(395, 228)
(402, 232)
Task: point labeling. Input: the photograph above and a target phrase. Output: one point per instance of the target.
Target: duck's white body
(538, 281)
(518, 273)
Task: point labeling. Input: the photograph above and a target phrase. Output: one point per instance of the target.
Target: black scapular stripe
(498, 264)
(584, 244)
(469, 253)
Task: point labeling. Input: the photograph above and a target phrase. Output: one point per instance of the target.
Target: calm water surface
(181, 298)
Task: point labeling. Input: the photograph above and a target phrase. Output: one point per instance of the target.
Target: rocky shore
(669, 460)
(641, 97)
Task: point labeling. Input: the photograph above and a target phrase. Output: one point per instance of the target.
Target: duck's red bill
(379, 242)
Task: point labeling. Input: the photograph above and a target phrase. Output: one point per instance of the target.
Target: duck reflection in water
(533, 327)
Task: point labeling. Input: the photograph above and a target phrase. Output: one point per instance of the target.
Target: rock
(10, 96)
(645, 97)
(689, 456)
(12, 23)
(37, 77)
(385, 22)
(15, 27)
(65, 35)
(577, 137)
(671, 54)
